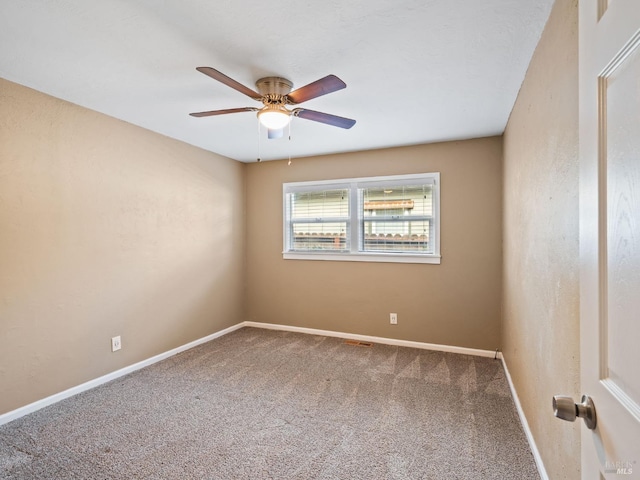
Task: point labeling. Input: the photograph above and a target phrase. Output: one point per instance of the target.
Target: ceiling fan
(275, 94)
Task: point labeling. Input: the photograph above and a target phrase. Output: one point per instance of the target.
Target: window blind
(319, 220)
(396, 218)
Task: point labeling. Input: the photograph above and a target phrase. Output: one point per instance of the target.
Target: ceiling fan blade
(230, 82)
(222, 112)
(327, 118)
(325, 85)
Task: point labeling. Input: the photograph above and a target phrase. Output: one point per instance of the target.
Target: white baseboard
(525, 425)
(368, 338)
(32, 407)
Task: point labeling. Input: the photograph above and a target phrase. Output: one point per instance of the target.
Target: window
(388, 219)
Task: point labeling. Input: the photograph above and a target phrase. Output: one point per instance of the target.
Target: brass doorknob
(565, 409)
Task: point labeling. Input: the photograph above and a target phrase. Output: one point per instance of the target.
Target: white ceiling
(417, 71)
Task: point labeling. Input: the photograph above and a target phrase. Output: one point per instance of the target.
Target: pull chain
(259, 143)
(290, 122)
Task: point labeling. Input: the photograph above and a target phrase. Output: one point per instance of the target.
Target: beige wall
(541, 284)
(455, 303)
(106, 229)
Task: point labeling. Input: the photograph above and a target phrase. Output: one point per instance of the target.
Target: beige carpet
(261, 404)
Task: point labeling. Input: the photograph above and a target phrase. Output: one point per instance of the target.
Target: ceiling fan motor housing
(274, 85)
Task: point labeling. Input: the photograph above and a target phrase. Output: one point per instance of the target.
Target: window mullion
(355, 231)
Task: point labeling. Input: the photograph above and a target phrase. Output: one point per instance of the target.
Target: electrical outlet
(116, 343)
(393, 318)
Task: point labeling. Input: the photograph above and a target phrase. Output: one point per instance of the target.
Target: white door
(610, 234)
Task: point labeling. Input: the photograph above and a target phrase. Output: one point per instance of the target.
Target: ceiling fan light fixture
(274, 117)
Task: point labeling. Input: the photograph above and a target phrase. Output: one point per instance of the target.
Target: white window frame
(355, 221)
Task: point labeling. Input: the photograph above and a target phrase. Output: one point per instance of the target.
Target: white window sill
(363, 257)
